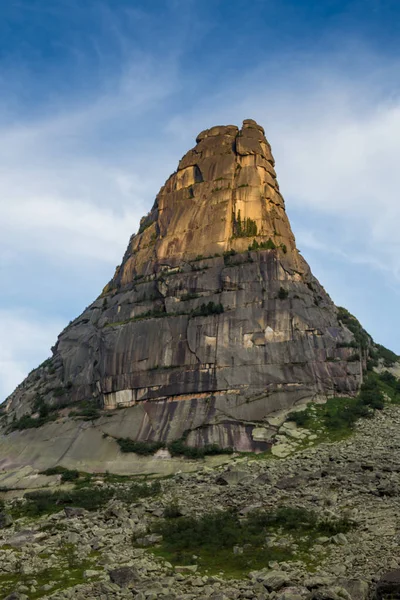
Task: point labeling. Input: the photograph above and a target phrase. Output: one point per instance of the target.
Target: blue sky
(99, 100)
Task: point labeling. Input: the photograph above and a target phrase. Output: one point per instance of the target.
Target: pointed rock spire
(212, 322)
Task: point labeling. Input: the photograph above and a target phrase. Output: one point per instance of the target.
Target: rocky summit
(212, 326)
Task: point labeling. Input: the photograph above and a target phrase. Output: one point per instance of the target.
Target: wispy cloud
(26, 339)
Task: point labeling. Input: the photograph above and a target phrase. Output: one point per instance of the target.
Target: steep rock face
(213, 321)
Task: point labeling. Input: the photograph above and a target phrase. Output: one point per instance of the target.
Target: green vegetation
(175, 448)
(189, 296)
(87, 413)
(243, 228)
(38, 503)
(66, 474)
(389, 358)
(68, 572)
(145, 222)
(47, 413)
(282, 294)
(179, 448)
(301, 418)
(28, 422)
(338, 416)
(163, 367)
(150, 314)
(208, 540)
(142, 448)
(268, 245)
(172, 511)
(202, 311)
(346, 345)
(363, 339)
(228, 255)
(207, 309)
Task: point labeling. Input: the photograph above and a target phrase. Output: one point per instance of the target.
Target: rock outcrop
(212, 322)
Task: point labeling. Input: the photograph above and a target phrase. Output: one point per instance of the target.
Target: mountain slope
(212, 322)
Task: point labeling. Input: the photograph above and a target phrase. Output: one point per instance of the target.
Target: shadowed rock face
(216, 371)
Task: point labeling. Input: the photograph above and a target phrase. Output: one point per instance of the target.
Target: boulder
(357, 588)
(388, 587)
(5, 520)
(274, 580)
(233, 477)
(72, 511)
(124, 576)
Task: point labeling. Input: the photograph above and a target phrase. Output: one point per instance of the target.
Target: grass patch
(389, 358)
(87, 413)
(175, 448)
(28, 422)
(66, 474)
(68, 573)
(338, 416)
(210, 538)
(362, 338)
(142, 448)
(189, 296)
(179, 448)
(38, 503)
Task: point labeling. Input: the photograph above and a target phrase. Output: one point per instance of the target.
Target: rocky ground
(111, 552)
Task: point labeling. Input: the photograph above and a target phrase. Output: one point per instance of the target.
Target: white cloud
(347, 169)
(26, 339)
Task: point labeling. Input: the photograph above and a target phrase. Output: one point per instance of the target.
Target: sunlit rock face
(267, 338)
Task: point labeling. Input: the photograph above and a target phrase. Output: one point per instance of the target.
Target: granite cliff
(211, 325)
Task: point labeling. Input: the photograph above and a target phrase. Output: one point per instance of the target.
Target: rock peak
(223, 195)
(212, 322)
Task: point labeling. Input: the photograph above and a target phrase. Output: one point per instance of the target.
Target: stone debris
(341, 480)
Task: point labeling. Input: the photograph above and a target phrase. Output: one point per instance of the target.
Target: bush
(213, 535)
(59, 391)
(28, 422)
(389, 358)
(172, 511)
(268, 245)
(66, 474)
(142, 448)
(70, 475)
(44, 502)
(227, 256)
(245, 228)
(179, 448)
(282, 294)
(363, 340)
(189, 296)
(208, 309)
(88, 413)
(301, 418)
